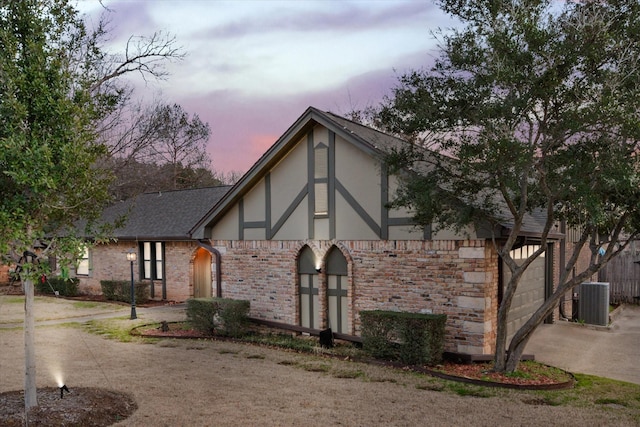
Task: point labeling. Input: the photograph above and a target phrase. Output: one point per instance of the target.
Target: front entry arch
(202, 274)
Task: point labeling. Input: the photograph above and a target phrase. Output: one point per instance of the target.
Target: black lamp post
(131, 256)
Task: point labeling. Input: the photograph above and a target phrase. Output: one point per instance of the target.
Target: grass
(611, 396)
(13, 300)
(116, 328)
(86, 304)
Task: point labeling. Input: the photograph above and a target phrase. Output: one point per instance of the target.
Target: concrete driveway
(612, 352)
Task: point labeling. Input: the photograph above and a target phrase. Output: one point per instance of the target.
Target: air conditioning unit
(593, 303)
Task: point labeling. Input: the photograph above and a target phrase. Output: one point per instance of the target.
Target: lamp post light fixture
(131, 256)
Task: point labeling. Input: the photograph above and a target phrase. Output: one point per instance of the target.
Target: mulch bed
(82, 406)
(479, 373)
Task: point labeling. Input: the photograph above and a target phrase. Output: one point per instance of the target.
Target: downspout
(563, 250)
(218, 257)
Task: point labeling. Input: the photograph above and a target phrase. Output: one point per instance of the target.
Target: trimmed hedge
(411, 338)
(221, 316)
(120, 290)
(65, 287)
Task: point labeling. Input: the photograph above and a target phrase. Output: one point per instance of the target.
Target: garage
(531, 290)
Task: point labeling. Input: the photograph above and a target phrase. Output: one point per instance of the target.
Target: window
(152, 260)
(308, 289)
(84, 265)
(320, 175)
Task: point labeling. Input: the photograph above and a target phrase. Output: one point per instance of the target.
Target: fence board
(623, 275)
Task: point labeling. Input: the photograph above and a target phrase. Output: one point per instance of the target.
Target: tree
(158, 148)
(529, 111)
(54, 90)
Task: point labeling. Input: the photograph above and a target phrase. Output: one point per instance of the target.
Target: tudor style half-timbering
(307, 237)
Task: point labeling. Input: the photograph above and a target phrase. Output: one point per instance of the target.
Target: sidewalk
(53, 311)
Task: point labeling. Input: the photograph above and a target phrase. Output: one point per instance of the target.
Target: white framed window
(320, 175)
(152, 260)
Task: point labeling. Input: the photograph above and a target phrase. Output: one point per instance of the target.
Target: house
(157, 229)
(307, 238)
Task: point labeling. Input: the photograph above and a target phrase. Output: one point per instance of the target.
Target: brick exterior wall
(109, 262)
(457, 278)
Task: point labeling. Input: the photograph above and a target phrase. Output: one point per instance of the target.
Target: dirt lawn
(214, 383)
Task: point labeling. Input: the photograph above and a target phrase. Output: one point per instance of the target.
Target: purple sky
(253, 67)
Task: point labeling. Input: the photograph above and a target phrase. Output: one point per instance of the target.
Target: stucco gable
(363, 138)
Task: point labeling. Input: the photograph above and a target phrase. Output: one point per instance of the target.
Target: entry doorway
(202, 274)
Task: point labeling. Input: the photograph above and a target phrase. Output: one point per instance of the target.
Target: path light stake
(62, 390)
(131, 256)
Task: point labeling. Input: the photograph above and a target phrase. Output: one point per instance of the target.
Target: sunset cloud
(253, 67)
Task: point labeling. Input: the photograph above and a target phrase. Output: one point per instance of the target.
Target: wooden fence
(623, 275)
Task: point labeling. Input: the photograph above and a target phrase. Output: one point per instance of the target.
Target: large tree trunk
(522, 336)
(30, 395)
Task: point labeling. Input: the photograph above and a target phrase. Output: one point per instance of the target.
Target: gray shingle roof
(166, 215)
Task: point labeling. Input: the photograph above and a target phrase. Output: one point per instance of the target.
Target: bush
(221, 316)
(65, 287)
(120, 290)
(411, 338)
(201, 313)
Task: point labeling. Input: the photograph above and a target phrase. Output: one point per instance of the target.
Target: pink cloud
(243, 128)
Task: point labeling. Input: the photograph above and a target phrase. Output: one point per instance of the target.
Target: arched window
(337, 301)
(308, 289)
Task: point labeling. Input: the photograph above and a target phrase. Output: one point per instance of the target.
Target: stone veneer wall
(457, 278)
(109, 262)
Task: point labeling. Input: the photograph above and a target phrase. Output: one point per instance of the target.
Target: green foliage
(201, 313)
(535, 105)
(286, 341)
(65, 287)
(412, 338)
(528, 117)
(219, 316)
(48, 153)
(120, 290)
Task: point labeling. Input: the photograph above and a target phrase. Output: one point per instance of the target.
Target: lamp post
(131, 256)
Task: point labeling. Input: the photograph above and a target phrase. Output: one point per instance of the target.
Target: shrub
(234, 315)
(221, 316)
(411, 338)
(120, 290)
(201, 313)
(65, 287)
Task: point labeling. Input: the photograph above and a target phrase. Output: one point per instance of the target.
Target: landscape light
(62, 390)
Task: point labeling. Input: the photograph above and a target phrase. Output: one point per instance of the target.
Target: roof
(369, 140)
(166, 215)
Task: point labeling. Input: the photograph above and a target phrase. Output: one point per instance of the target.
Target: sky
(252, 67)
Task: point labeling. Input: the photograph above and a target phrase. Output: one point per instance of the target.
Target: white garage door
(531, 289)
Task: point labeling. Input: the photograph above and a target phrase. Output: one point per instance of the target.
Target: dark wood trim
(254, 224)
(362, 213)
(267, 203)
(331, 190)
(241, 219)
(393, 222)
(311, 191)
(287, 213)
(384, 199)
